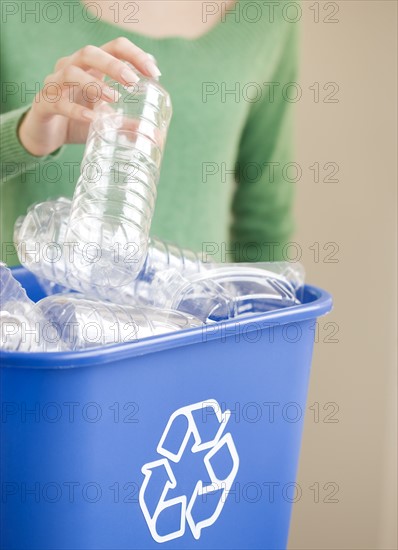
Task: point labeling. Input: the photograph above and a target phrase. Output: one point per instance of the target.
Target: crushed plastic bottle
(162, 256)
(85, 324)
(224, 293)
(51, 288)
(39, 239)
(114, 199)
(13, 297)
(22, 327)
(292, 272)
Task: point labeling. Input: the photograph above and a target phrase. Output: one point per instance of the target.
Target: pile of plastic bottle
(106, 281)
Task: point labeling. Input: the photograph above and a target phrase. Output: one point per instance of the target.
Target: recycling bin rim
(316, 302)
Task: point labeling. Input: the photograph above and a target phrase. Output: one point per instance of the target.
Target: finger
(91, 58)
(97, 74)
(70, 110)
(78, 84)
(61, 63)
(122, 48)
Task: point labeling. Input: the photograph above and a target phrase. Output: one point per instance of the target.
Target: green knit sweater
(221, 188)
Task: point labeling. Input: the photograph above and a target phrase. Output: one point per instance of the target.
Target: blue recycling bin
(187, 440)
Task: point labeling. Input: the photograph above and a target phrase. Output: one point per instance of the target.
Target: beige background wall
(357, 453)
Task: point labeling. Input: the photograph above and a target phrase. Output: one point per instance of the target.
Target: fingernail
(111, 93)
(152, 57)
(129, 76)
(88, 115)
(152, 69)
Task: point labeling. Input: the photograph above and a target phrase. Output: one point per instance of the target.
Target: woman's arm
(29, 135)
(14, 158)
(262, 205)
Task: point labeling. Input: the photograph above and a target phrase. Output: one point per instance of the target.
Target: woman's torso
(207, 79)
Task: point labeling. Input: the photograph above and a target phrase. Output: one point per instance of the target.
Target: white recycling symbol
(201, 443)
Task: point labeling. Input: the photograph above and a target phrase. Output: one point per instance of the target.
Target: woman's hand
(62, 112)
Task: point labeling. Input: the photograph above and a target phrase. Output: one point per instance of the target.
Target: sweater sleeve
(262, 205)
(14, 158)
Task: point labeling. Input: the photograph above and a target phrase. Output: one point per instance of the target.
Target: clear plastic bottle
(114, 199)
(166, 270)
(84, 323)
(161, 256)
(224, 293)
(39, 239)
(13, 297)
(292, 272)
(22, 326)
